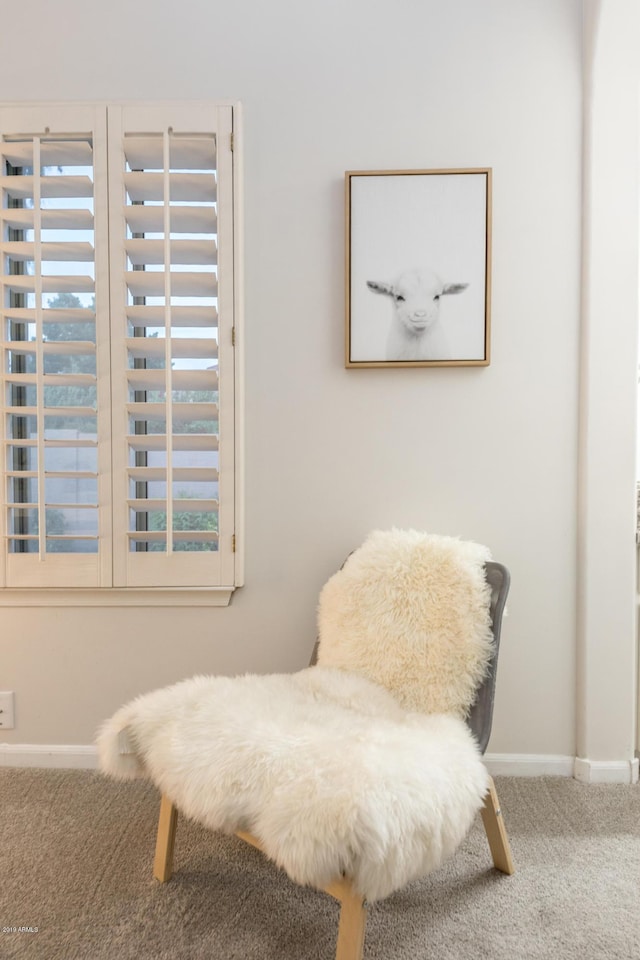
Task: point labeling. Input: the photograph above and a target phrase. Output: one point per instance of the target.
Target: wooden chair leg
(496, 831)
(353, 917)
(353, 910)
(165, 841)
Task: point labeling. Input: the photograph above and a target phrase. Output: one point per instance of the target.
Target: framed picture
(418, 267)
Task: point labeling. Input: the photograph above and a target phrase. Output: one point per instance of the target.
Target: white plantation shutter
(171, 199)
(53, 222)
(119, 363)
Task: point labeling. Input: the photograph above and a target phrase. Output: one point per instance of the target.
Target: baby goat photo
(416, 331)
(415, 238)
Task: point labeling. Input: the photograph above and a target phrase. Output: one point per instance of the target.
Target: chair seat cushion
(323, 766)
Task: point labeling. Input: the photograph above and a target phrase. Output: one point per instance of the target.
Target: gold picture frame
(416, 236)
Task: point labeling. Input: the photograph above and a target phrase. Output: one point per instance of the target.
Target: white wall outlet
(6, 710)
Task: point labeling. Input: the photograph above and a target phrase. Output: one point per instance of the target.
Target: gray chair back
(481, 713)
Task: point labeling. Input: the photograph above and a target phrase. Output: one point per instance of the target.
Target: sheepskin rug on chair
(327, 768)
(411, 611)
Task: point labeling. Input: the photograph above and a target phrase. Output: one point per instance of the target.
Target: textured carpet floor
(76, 853)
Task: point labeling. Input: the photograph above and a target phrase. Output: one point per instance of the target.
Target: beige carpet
(75, 862)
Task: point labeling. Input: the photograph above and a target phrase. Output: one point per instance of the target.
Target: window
(119, 309)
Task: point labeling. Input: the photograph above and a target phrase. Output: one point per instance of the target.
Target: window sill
(117, 597)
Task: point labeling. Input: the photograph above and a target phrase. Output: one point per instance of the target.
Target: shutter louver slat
(185, 187)
(194, 380)
(146, 153)
(52, 379)
(188, 505)
(187, 442)
(51, 284)
(197, 474)
(70, 442)
(69, 379)
(58, 219)
(142, 347)
(77, 252)
(185, 284)
(193, 536)
(50, 443)
(70, 474)
(64, 347)
(27, 315)
(181, 316)
(72, 506)
(22, 188)
(182, 412)
(71, 153)
(188, 252)
(141, 219)
(70, 538)
(50, 347)
(75, 412)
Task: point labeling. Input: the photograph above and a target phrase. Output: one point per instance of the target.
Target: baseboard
(528, 765)
(84, 757)
(62, 756)
(606, 771)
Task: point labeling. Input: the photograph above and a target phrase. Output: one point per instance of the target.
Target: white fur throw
(411, 611)
(323, 766)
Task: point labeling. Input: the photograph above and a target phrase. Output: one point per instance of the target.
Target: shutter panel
(171, 249)
(55, 386)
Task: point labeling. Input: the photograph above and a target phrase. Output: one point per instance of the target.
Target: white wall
(606, 635)
(488, 454)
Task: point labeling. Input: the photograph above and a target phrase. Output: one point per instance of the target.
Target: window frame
(149, 593)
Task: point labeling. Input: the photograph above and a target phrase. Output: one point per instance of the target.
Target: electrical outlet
(6, 710)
